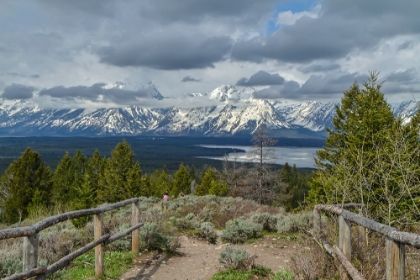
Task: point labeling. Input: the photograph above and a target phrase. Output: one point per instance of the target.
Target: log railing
(30, 240)
(395, 240)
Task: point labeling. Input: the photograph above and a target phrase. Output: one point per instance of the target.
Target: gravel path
(200, 260)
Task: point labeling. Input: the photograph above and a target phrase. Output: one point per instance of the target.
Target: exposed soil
(200, 260)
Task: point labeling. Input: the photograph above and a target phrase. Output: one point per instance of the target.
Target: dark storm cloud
(316, 87)
(96, 93)
(319, 68)
(168, 52)
(261, 78)
(324, 87)
(102, 7)
(342, 27)
(35, 76)
(18, 91)
(402, 82)
(287, 90)
(189, 79)
(193, 11)
(407, 76)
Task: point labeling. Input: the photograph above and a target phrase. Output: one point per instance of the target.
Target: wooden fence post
(395, 260)
(30, 252)
(317, 222)
(345, 237)
(99, 249)
(135, 219)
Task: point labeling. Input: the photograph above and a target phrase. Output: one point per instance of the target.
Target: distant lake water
(301, 156)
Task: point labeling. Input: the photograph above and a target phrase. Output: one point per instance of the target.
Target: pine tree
(87, 192)
(80, 162)
(63, 179)
(358, 127)
(134, 185)
(122, 176)
(153, 184)
(366, 153)
(218, 188)
(206, 182)
(163, 183)
(27, 180)
(182, 181)
(146, 189)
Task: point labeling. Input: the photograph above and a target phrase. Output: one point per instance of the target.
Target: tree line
(81, 182)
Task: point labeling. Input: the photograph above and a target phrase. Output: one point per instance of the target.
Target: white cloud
(289, 18)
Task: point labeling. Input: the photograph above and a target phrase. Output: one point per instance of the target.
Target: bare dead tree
(266, 185)
(232, 174)
(262, 145)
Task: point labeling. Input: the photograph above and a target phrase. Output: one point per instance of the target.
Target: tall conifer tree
(206, 182)
(122, 176)
(182, 181)
(63, 180)
(27, 180)
(368, 157)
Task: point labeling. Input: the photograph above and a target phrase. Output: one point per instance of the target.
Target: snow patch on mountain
(406, 110)
(225, 93)
(151, 89)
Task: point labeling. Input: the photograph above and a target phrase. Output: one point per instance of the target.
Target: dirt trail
(200, 260)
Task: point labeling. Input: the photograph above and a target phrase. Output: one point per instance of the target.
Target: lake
(301, 156)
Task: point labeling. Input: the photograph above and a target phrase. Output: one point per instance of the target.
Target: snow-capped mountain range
(233, 113)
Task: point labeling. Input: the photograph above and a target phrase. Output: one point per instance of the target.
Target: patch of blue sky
(295, 6)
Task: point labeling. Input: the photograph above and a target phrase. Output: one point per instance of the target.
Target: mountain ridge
(232, 114)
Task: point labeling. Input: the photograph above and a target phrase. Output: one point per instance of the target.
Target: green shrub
(267, 221)
(152, 239)
(282, 275)
(122, 244)
(208, 232)
(10, 263)
(239, 230)
(261, 270)
(295, 222)
(184, 223)
(235, 258)
(148, 202)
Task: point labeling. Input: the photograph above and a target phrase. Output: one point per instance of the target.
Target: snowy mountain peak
(225, 94)
(194, 94)
(406, 110)
(151, 89)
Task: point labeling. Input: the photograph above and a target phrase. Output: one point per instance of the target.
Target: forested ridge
(79, 182)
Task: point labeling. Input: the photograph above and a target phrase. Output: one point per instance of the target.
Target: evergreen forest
(78, 181)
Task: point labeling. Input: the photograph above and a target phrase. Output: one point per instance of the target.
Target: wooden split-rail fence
(30, 236)
(395, 240)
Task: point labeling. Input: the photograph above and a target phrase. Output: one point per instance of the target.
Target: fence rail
(31, 239)
(395, 242)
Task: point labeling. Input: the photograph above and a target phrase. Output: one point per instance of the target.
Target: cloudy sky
(61, 53)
